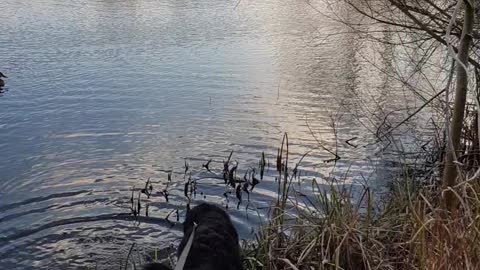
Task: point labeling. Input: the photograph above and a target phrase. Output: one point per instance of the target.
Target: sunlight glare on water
(103, 94)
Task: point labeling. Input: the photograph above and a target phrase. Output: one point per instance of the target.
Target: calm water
(103, 94)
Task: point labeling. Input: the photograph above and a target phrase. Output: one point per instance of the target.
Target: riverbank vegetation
(408, 228)
(420, 224)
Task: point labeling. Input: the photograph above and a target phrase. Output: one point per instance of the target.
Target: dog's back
(215, 244)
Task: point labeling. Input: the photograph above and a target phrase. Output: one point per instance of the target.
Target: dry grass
(409, 230)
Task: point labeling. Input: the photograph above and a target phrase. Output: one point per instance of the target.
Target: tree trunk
(450, 170)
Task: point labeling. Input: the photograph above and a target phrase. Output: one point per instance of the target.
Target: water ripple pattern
(104, 94)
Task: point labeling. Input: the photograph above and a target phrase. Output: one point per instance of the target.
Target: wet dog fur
(215, 243)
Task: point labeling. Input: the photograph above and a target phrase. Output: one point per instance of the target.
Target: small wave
(83, 135)
(118, 216)
(40, 199)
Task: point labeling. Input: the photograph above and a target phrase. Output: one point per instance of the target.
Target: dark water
(103, 94)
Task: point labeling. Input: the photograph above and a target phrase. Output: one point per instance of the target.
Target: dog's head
(204, 214)
(215, 242)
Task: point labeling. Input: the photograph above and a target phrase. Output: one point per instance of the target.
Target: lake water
(104, 94)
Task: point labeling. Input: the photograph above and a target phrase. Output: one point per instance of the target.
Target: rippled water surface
(104, 94)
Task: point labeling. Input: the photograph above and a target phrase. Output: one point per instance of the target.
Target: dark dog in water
(215, 243)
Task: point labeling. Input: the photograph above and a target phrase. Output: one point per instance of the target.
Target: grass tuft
(411, 230)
